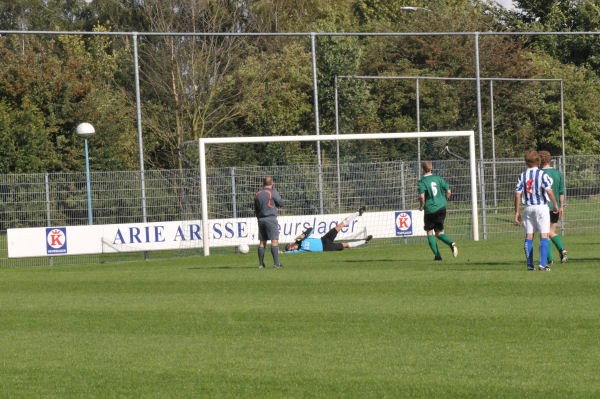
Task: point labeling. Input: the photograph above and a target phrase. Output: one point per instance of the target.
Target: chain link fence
(59, 199)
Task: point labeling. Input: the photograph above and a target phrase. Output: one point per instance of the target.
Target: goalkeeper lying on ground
(303, 243)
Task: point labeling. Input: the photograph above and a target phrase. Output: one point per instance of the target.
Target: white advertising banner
(133, 237)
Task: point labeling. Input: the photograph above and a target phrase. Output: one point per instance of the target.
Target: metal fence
(59, 199)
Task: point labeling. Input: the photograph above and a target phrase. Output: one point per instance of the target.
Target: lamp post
(85, 130)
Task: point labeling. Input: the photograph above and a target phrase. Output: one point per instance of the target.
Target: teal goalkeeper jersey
(434, 188)
(558, 184)
(309, 245)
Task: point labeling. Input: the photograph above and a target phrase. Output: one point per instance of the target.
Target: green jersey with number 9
(434, 188)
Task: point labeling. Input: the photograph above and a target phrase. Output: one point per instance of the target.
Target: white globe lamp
(85, 129)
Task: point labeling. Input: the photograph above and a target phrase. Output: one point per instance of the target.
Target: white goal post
(203, 142)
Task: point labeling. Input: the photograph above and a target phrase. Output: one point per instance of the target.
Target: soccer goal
(379, 224)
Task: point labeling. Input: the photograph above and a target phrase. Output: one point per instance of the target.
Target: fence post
(493, 146)
(482, 188)
(233, 196)
(562, 219)
(562, 162)
(49, 220)
(403, 190)
(417, 101)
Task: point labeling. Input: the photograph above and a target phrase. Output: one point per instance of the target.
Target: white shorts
(536, 219)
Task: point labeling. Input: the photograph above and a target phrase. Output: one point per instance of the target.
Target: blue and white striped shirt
(533, 184)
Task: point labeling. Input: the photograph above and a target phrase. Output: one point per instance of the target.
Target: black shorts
(554, 217)
(435, 221)
(328, 244)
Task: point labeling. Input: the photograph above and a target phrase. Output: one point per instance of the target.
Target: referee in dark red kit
(266, 203)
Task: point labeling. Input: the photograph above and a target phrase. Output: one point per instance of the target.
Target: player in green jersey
(433, 194)
(558, 187)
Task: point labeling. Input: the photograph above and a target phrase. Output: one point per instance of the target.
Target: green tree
(43, 15)
(122, 15)
(183, 77)
(563, 16)
(275, 100)
(24, 139)
(67, 80)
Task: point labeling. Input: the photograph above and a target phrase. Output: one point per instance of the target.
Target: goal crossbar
(202, 142)
(334, 137)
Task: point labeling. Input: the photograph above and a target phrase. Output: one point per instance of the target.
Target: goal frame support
(203, 142)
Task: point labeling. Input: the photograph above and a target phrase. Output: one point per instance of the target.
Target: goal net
(320, 195)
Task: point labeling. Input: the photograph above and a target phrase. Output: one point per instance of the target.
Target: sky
(506, 3)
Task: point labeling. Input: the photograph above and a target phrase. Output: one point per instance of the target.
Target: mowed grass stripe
(375, 322)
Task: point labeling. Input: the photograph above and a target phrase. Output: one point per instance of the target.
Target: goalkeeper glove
(304, 234)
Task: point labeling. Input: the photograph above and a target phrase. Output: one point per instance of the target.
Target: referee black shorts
(435, 221)
(328, 244)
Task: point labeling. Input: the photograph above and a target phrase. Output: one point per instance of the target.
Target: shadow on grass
(222, 267)
(507, 266)
(576, 260)
(487, 269)
(496, 263)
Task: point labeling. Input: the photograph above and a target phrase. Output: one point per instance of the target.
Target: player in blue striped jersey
(534, 190)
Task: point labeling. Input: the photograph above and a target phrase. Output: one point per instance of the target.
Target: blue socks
(529, 253)
(543, 251)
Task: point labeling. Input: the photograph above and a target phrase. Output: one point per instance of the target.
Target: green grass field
(374, 322)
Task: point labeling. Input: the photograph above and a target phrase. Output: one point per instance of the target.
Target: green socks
(433, 246)
(558, 242)
(559, 245)
(550, 257)
(445, 239)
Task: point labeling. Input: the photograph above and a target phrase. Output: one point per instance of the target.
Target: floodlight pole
(139, 128)
(337, 145)
(564, 159)
(85, 129)
(493, 144)
(138, 104)
(316, 99)
(418, 105)
(480, 131)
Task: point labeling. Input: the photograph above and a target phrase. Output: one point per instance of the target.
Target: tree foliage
(563, 16)
(54, 83)
(203, 86)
